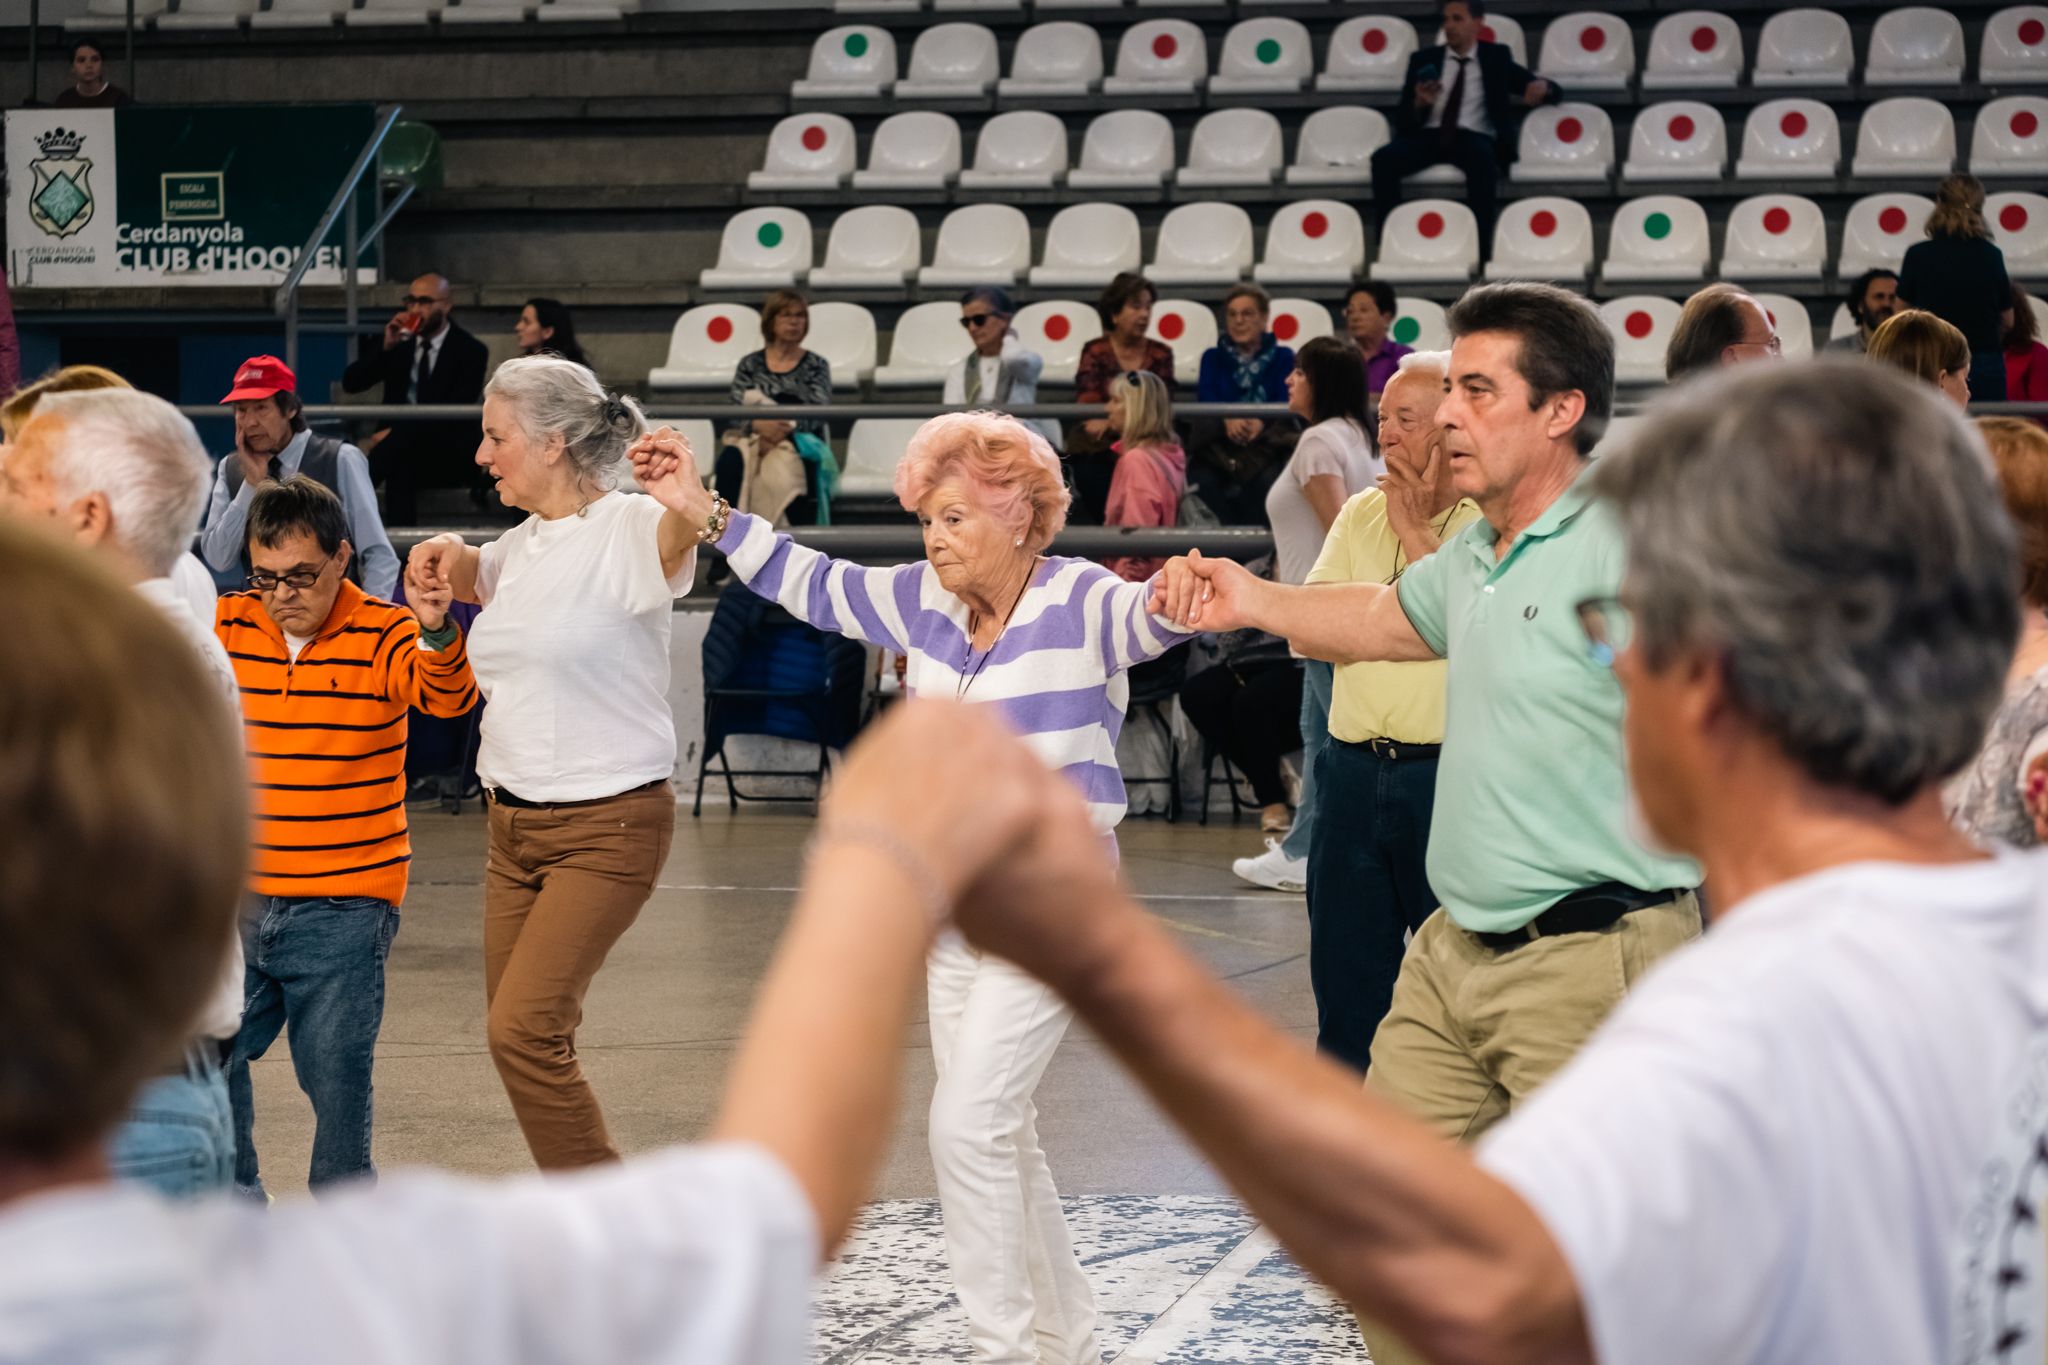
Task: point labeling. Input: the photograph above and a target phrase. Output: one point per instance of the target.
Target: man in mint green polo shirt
(1551, 908)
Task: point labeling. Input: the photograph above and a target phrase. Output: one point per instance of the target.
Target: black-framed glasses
(1610, 628)
(421, 299)
(298, 580)
(975, 319)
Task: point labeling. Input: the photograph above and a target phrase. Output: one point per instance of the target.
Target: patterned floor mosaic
(1182, 1280)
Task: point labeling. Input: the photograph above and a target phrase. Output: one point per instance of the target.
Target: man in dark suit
(423, 357)
(1462, 105)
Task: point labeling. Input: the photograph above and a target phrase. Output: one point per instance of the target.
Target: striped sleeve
(1129, 633)
(874, 606)
(437, 682)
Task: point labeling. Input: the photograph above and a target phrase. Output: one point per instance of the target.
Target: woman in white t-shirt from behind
(578, 742)
(1334, 459)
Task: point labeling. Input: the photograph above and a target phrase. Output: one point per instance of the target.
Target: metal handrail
(343, 204)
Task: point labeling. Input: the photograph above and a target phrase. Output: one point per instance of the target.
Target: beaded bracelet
(714, 525)
(938, 905)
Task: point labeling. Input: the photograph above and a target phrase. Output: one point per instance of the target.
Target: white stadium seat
(1088, 245)
(1842, 324)
(1420, 324)
(2039, 307)
(472, 12)
(1299, 320)
(1159, 57)
(208, 14)
(876, 6)
(104, 16)
(1202, 244)
(1642, 327)
(1791, 321)
(1313, 241)
(950, 61)
(1565, 142)
(1435, 240)
(707, 345)
(2014, 49)
(844, 333)
(1790, 139)
(1660, 237)
(980, 244)
(1061, 58)
(1775, 236)
(918, 150)
(1589, 51)
(2011, 137)
(1809, 48)
(854, 61)
(1693, 48)
(873, 448)
(1057, 329)
(1367, 53)
(761, 249)
(2019, 220)
(1336, 144)
(1499, 28)
(1023, 149)
(387, 14)
(979, 6)
(1905, 135)
(875, 246)
(1878, 229)
(1917, 45)
(1677, 140)
(927, 342)
(1233, 147)
(1124, 148)
(807, 152)
(1188, 329)
(581, 11)
(299, 14)
(1543, 238)
(1263, 56)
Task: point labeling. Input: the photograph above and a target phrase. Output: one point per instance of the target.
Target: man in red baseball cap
(272, 441)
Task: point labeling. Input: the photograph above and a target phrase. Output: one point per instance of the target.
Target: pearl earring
(1019, 542)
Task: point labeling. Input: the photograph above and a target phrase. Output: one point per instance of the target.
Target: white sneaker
(1273, 869)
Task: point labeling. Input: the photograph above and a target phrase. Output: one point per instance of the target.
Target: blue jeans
(1315, 733)
(178, 1137)
(1367, 887)
(316, 969)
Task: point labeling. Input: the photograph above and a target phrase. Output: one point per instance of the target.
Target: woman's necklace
(970, 666)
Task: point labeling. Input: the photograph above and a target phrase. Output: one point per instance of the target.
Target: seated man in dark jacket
(1461, 105)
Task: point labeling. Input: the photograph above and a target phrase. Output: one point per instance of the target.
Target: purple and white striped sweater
(1058, 670)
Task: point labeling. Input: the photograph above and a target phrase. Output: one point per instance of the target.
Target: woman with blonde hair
(1927, 348)
(1151, 469)
(987, 617)
(1958, 274)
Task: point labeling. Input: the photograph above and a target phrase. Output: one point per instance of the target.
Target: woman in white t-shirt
(578, 743)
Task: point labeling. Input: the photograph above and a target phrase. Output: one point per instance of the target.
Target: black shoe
(423, 791)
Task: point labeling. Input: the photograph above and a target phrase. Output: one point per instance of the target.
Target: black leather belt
(1582, 912)
(500, 797)
(1396, 751)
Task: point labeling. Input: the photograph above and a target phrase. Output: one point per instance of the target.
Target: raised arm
(443, 561)
(1338, 622)
(422, 661)
(1131, 631)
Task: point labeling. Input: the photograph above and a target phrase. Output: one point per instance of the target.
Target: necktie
(422, 366)
(973, 378)
(1454, 107)
(276, 468)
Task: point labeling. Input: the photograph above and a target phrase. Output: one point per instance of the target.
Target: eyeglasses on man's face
(1610, 628)
(298, 580)
(419, 301)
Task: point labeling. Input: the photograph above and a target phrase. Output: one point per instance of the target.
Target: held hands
(430, 604)
(1195, 592)
(430, 569)
(666, 469)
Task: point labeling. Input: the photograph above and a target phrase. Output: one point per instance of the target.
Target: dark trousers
(1473, 153)
(1251, 714)
(1367, 886)
(1987, 377)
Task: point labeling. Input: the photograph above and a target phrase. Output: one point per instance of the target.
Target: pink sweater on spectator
(1145, 491)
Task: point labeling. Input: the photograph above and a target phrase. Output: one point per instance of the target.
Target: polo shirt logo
(1529, 613)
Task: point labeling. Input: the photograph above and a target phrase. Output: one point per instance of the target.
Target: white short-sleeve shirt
(1336, 447)
(694, 1256)
(571, 653)
(1776, 1149)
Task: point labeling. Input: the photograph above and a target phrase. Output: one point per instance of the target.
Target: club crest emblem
(61, 202)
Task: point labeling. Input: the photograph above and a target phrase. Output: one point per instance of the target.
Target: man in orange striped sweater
(326, 675)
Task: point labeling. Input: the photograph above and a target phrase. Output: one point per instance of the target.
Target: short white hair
(1436, 363)
(143, 456)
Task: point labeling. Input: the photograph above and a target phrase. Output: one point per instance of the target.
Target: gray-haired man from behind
(124, 474)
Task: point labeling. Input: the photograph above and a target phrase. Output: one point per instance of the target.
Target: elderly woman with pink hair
(986, 616)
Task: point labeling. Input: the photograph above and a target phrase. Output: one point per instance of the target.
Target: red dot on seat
(1164, 46)
(1286, 326)
(1592, 37)
(1703, 39)
(1314, 225)
(1057, 327)
(1793, 124)
(1487, 35)
(2032, 31)
(1171, 326)
(1773, 317)
(1373, 40)
(1640, 324)
(1892, 221)
(814, 139)
(1543, 222)
(2025, 124)
(1430, 224)
(1777, 221)
(1570, 130)
(719, 330)
(1682, 128)
(2013, 217)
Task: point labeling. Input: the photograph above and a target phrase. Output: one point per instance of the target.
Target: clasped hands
(666, 469)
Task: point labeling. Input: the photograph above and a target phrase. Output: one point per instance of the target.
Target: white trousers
(994, 1028)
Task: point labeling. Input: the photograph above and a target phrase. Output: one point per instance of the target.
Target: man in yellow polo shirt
(1376, 779)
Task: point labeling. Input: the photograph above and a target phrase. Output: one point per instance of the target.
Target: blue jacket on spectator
(1230, 376)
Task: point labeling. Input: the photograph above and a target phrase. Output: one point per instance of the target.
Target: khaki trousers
(1475, 1031)
(561, 884)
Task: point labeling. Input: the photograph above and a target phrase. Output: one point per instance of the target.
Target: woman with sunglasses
(998, 372)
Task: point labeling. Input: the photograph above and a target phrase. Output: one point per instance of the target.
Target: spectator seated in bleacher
(1123, 348)
(1151, 469)
(783, 367)
(1461, 105)
(1872, 297)
(1721, 325)
(774, 471)
(1232, 460)
(424, 357)
(546, 328)
(999, 372)
(1929, 349)
(2026, 359)
(1369, 311)
(1958, 274)
(90, 88)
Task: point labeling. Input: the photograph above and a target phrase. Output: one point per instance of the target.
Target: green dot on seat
(1406, 330)
(1268, 50)
(770, 235)
(1657, 226)
(856, 44)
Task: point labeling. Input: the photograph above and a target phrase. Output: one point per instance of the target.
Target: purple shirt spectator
(1381, 364)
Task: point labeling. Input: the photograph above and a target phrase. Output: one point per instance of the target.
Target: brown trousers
(561, 884)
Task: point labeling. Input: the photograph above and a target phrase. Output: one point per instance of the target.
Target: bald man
(423, 357)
